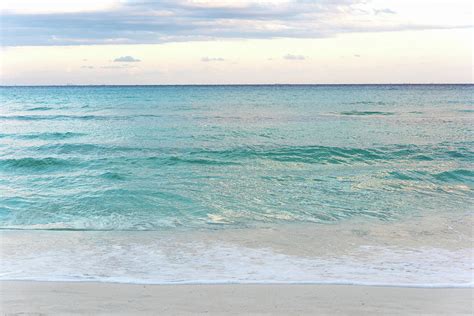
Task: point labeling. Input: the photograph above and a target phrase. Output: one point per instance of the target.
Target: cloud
(211, 59)
(159, 21)
(126, 59)
(87, 67)
(356, 55)
(384, 11)
(294, 57)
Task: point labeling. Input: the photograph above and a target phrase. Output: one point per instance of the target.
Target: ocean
(338, 184)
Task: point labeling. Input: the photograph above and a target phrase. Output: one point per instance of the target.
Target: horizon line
(232, 84)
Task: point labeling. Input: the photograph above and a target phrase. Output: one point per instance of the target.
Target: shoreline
(46, 297)
(365, 254)
(441, 286)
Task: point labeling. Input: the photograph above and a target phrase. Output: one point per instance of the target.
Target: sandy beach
(236, 157)
(52, 298)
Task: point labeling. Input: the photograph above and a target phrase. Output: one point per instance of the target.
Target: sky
(235, 41)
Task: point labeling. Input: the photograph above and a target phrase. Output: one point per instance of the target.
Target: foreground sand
(33, 298)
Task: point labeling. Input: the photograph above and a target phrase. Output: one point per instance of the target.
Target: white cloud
(88, 22)
(211, 59)
(126, 59)
(294, 57)
(56, 6)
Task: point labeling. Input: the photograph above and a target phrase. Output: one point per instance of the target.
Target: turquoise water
(206, 158)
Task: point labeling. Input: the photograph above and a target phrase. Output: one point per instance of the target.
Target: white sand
(52, 298)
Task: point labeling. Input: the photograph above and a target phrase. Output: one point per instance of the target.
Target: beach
(236, 157)
(337, 199)
(50, 298)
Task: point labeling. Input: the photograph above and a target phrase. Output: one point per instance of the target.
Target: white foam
(148, 258)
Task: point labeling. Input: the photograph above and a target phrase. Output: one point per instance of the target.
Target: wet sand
(53, 298)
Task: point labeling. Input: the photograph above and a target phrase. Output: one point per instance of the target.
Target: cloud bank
(159, 21)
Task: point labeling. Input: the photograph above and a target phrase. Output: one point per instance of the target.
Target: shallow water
(121, 166)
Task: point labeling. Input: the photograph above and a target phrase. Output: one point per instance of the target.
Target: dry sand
(52, 298)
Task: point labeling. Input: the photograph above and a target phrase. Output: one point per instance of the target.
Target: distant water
(163, 184)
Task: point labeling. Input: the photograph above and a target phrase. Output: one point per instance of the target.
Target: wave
(133, 258)
(304, 154)
(449, 176)
(195, 161)
(238, 155)
(368, 103)
(339, 155)
(87, 148)
(457, 175)
(242, 155)
(33, 163)
(365, 113)
(52, 117)
(113, 176)
(406, 176)
(74, 117)
(40, 108)
(70, 148)
(49, 136)
(233, 281)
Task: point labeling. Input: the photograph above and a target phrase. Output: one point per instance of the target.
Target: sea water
(358, 184)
